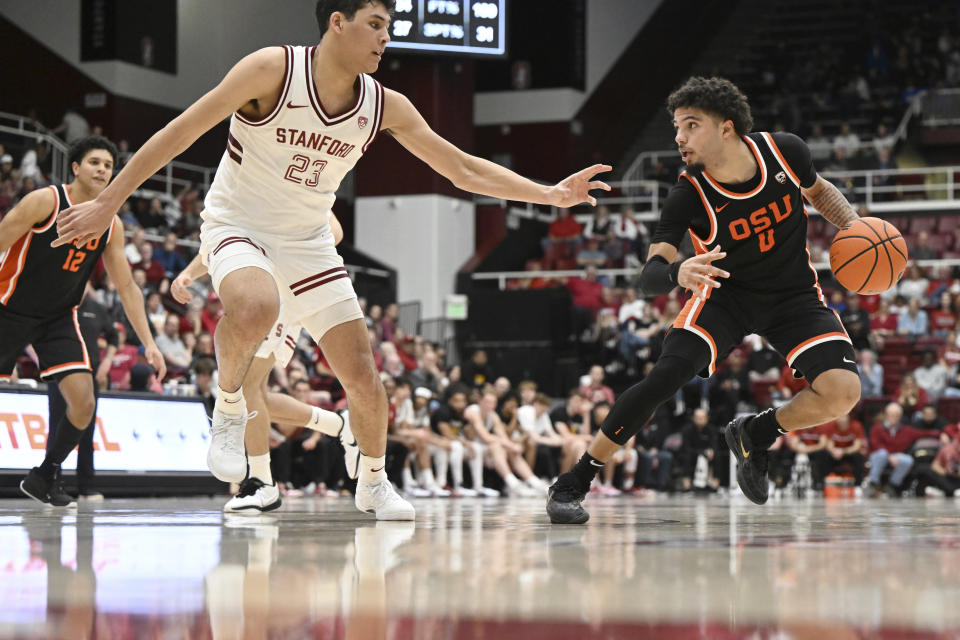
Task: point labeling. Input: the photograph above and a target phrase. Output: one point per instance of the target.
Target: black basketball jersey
(40, 281)
(760, 224)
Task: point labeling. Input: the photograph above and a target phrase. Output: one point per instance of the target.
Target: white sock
(511, 480)
(456, 464)
(230, 402)
(260, 468)
(371, 469)
(427, 481)
(325, 421)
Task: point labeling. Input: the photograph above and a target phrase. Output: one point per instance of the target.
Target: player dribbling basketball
(741, 199)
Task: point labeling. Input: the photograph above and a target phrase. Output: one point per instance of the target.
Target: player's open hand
(698, 271)
(576, 188)
(155, 358)
(83, 222)
(179, 288)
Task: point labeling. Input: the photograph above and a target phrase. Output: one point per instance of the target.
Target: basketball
(869, 256)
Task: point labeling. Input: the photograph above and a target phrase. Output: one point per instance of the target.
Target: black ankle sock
(64, 440)
(764, 429)
(586, 469)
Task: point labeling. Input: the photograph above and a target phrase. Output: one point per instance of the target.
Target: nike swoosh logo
(744, 451)
(375, 470)
(290, 105)
(596, 463)
(846, 359)
(719, 209)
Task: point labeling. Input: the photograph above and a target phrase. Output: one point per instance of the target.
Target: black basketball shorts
(798, 324)
(56, 340)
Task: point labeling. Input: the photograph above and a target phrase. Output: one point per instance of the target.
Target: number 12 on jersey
(300, 165)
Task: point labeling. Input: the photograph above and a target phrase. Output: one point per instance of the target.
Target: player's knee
(81, 411)
(257, 316)
(842, 393)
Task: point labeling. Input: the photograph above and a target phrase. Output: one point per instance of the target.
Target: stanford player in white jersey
(302, 109)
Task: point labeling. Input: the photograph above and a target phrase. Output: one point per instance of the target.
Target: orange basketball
(869, 256)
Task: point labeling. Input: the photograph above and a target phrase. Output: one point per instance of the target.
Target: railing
(503, 276)
(935, 190)
(941, 107)
(33, 131)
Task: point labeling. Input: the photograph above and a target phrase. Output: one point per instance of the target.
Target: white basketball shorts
(314, 286)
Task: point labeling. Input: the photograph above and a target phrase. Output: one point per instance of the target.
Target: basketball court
(682, 567)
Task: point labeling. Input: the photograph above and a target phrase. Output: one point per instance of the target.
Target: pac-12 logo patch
(781, 177)
(362, 122)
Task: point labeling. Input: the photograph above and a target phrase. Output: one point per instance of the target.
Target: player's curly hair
(349, 8)
(716, 96)
(79, 149)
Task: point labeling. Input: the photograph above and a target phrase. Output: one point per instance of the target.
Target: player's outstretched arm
(255, 77)
(831, 204)
(661, 273)
(470, 173)
(115, 262)
(34, 207)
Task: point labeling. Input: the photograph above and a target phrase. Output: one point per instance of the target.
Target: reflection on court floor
(474, 568)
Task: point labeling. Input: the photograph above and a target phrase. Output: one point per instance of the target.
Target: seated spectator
(636, 332)
(174, 351)
(847, 141)
(943, 473)
(212, 312)
(632, 232)
(478, 371)
(596, 386)
(914, 284)
(856, 321)
(699, 439)
(837, 302)
(204, 347)
(572, 421)
(812, 443)
(789, 384)
(844, 441)
(428, 374)
(203, 379)
(889, 442)
(930, 419)
(528, 391)
(944, 318)
(7, 172)
(590, 254)
(169, 257)
(871, 374)
(535, 420)
(154, 270)
(123, 360)
(883, 140)
(764, 363)
(729, 387)
(932, 375)
(132, 248)
(614, 249)
(587, 293)
(563, 235)
(819, 145)
(390, 321)
(599, 225)
(883, 324)
(912, 322)
(920, 249)
(156, 313)
(910, 395)
(152, 217)
(655, 463)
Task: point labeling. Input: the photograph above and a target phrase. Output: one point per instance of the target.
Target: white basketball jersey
(279, 175)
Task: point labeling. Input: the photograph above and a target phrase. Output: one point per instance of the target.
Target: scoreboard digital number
(472, 27)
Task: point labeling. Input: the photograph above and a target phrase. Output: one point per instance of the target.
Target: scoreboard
(471, 27)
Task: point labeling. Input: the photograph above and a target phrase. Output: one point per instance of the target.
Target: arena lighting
(466, 27)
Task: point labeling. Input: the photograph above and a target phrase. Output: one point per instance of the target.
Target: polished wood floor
(683, 567)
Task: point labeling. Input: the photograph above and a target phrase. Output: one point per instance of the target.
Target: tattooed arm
(831, 204)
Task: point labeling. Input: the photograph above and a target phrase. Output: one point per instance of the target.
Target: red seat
(949, 408)
(947, 223)
(922, 223)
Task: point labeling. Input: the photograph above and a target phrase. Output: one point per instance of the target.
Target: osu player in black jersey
(40, 288)
(741, 200)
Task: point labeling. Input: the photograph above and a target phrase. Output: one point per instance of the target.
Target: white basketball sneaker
(384, 501)
(255, 497)
(351, 450)
(226, 457)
